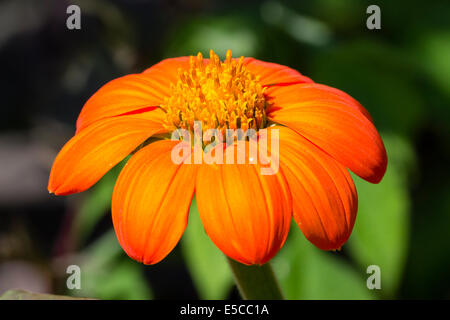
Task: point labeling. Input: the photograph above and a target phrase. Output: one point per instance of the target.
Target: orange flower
(322, 133)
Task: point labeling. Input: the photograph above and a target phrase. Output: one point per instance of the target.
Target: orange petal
(91, 153)
(335, 123)
(273, 73)
(168, 68)
(324, 197)
(246, 214)
(132, 93)
(151, 201)
(286, 96)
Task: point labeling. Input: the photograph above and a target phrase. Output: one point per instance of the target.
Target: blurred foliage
(433, 50)
(305, 272)
(380, 238)
(108, 274)
(232, 32)
(96, 205)
(26, 295)
(357, 67)
(400, 73)
(381, 233)
(207, 265)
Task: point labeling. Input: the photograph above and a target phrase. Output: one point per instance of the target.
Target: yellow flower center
(222, 95)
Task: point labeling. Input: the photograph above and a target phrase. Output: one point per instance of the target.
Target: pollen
(222, 95)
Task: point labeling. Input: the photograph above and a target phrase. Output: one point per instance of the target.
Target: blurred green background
(400, 73)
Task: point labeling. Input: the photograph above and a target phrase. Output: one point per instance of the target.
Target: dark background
(400, 73)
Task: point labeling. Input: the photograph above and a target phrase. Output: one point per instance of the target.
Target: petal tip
(379, 171)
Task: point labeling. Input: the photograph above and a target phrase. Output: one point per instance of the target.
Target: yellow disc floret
(222, 95)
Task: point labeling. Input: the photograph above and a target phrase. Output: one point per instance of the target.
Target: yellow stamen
(222, 95)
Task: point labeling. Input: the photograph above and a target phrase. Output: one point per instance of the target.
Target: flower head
(223, 95)
(322, 133)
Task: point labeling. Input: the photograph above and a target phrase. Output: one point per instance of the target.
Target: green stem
(256, 282)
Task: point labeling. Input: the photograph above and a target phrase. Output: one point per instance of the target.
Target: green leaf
(107, 273)
(433, 52)
(27, 295)
(202, 34)
(96, 204)
(368, 71)
(380, 237)
(306, 272)
(207, 265)
(381, 232)
(124, 280)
